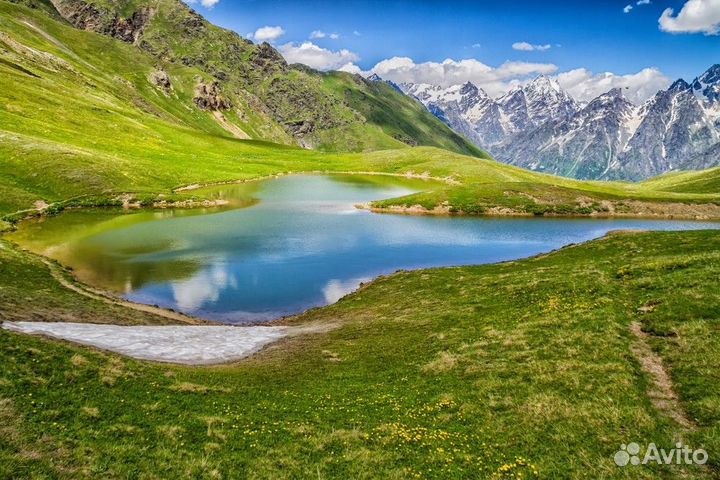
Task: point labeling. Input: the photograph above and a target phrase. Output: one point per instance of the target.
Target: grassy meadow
(525, 369)
(522, 369)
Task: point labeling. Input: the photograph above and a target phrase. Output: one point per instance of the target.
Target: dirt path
(96, 294)
(661, 393)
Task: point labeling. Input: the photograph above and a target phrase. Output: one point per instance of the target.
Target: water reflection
(301, 244)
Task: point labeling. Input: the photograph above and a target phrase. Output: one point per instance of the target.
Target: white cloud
(317, 57)
(452, 72)
(205, 287)
(351, 68)
(643, 2)
(476, 45)
(529, 47)
(334, 290)
(204, 3)
(357, 34)
(268, 34)
(627, 8)
(583, 85)
(317, 34)
(696, 16)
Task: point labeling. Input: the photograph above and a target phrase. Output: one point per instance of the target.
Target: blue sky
(595, 36)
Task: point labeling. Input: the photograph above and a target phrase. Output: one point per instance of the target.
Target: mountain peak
(374, 78)
(613, 93)
(712, 74)
(470, 88)
(545, 86)
(679, 85)
(707, 86)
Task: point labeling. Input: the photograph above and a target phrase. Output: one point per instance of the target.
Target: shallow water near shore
(285, 245)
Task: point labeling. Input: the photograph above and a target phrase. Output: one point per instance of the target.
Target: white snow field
(183, 344)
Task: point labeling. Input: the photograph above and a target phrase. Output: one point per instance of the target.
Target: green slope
(474, 372)
(398, 116)
(706, 181)
(81, 118)
(254, 78)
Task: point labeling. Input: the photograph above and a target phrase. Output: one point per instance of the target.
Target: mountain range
(541, 127)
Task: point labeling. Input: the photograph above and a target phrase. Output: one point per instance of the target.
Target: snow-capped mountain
(707, 86)
(541, 127)
(486, 121)
(584, 145)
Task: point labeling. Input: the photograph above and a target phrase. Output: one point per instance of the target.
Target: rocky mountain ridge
(541, 127)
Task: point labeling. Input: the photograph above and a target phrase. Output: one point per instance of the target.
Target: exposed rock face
(160, 79)
(540, 127)
(707, 86)
(267, 60)
(209, 97)
(87, 17)
(130, 29)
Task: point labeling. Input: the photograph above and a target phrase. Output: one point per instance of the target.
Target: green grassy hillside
(259, 88)
(525, 369)
(82, 120)
(399, 116)
(706, 181)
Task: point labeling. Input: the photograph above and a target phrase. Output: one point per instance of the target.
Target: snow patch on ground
(183, 344)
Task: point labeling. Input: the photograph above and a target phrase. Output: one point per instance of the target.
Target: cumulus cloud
(352, 68)
(581, 83)
(204, 3)
(494, 80)
(627, 9)
(317, 57)
(268, 34)
(584, 85)
(529, 47)
(696, 16)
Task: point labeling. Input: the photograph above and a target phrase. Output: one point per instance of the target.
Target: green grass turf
(471, 372)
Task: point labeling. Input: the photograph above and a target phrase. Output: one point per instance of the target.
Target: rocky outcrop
(131, 29)
(86, 16)
(161, 79)
(208, 96)
(267, 60)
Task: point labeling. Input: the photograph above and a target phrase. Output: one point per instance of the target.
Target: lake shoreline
(128, 201)
(500, 212)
